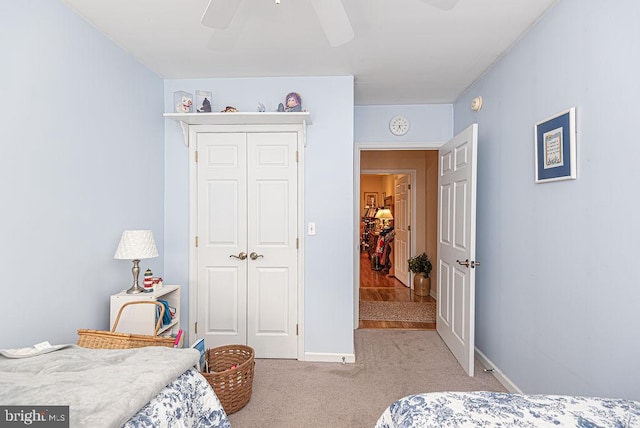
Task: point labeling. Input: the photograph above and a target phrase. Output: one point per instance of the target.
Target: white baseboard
(329, 358)
(504, 380)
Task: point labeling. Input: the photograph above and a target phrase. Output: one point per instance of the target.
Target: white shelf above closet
(238, 118)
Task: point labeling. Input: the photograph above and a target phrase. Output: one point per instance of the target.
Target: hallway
(377, 286)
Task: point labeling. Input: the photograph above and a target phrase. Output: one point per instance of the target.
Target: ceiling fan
(331, 14)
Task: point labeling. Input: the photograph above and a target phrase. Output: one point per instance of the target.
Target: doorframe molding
(192, 288)
(386, 146)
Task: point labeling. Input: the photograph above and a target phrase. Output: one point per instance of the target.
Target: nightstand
(141, 319)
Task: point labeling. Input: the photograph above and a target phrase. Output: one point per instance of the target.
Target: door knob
(241, 256)
(468, 263)
(255, 255)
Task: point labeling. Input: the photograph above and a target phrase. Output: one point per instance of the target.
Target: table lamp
(136, 245)
(385, 216)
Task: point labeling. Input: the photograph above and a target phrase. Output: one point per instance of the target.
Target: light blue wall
(81, 160)
(428, 123)
(328, 192)
(558, 292)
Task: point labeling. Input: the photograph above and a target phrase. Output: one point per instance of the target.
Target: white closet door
(247, 205)
(272, 233)
(222, 234)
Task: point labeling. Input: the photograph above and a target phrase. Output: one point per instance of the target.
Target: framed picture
(371, 199)
(555, 147)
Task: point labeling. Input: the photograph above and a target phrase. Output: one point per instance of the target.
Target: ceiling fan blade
(334, 21)
(442, 4)
(225, 40)
(219, 13)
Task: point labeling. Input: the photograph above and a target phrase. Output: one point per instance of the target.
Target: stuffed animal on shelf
(184, 106)
(293, 102)
(206, 106)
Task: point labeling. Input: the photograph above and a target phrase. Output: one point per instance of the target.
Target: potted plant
(420, 265)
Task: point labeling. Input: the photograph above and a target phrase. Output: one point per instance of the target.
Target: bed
(143, 387)
(488, 409)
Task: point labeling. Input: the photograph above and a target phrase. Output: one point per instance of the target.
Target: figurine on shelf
(229, 109)
(294, 102)
(206, 106)
(261, 108)
(185, 105)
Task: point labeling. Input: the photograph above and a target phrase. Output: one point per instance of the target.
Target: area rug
(398, 311)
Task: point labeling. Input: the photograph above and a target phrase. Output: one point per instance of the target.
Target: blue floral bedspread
(189, 401)
(491, 409)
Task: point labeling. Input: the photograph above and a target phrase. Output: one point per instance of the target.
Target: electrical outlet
(311, 228)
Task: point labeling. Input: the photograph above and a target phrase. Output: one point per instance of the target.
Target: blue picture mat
(563, 121)
(200, 346)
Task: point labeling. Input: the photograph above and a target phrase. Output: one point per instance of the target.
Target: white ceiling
(403, 52)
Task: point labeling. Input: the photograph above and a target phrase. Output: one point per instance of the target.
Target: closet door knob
(255, 255)
(241, 256)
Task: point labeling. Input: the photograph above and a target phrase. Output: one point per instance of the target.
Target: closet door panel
(272, 233)
(272, 315)
(273, 215)
(222, 234)
(222, 300)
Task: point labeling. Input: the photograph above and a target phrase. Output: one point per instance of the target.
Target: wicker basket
(97, 339)
(232, 384)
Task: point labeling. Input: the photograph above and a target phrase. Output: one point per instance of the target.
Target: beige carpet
(398, 311)
(390, 364)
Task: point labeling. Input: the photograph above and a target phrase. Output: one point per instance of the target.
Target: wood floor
(378, 286)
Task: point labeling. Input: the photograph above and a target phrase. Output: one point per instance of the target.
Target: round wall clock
(399, 125)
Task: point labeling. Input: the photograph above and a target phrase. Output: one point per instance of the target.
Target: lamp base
(135, 288)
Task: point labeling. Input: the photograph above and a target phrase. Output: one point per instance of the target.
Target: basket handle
(153, 302)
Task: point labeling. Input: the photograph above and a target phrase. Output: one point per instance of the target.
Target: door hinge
(196, 156)
(297, 243)
(296, 329)
(196, 242)
(196, 327)
(297, 159)
(409, 187)
(409, 228)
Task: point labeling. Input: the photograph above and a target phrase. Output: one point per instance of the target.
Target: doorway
(381, 177)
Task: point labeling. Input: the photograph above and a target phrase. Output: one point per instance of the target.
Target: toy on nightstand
(148, 280)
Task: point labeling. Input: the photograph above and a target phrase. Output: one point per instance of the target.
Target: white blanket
(103, 388)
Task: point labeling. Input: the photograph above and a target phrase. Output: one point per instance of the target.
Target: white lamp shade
(384, 213)
(136, 244)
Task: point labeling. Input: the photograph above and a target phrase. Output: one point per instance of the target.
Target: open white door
(455, 321)
(401, 223)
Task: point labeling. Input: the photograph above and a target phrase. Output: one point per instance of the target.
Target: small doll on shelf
(294, 102)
